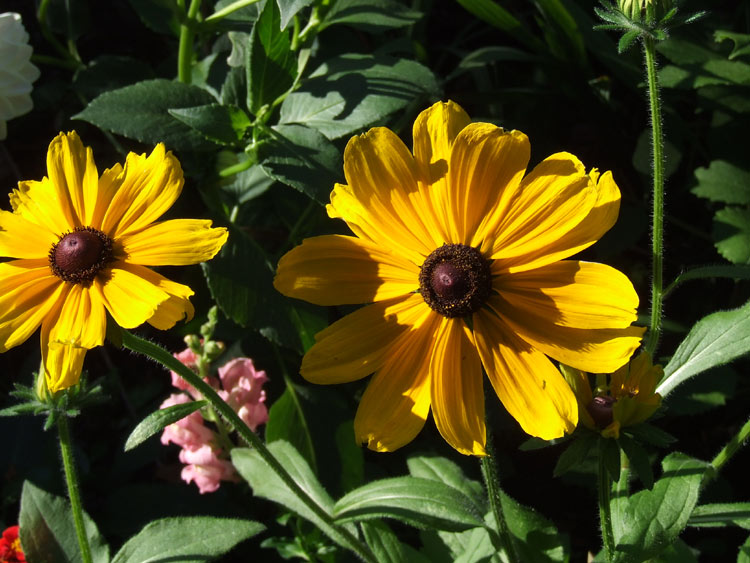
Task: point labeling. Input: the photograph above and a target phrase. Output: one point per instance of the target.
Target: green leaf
(372, 16)
(537, 538)
(736, 271)
(350, 92)
(286, 421)
(741, 42)
(385, 544)
(610, 451)
(744, 555)
(470, 546)
(576, 453)
(715, 340)
(650, 434)
(627, 40)
(267, 484)
(158, 420)
(160, 16)
(351, 456)
(445, 471)
(109, 72)
(657, 517)
(289, 8)
(271, 65)
(561, 32)
(186, 539)
(490, 12)
(225, 125)
(722, 514)
(141, 112)
(246, 185)
(419, 502)
(638, 459)
(302, 158)
(723, 181)
(732, 228)
(48, 532)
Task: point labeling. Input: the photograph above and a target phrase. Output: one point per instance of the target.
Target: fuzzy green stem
(160, 355)
(657, 225)
(491, 481)
(71, 478)
(605, 508)
(732, 447)
(185, 51)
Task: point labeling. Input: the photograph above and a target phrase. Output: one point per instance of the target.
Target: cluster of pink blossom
(241, 386)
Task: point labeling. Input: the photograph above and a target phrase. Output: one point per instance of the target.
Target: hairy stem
(491, 481)
(605, 509)
(732, 447)
(71, 478)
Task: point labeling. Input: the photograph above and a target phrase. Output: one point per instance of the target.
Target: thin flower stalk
(185, 50)
(491, 481)
(732, 447)
(605, 509)
(162, 356)
(71, 478)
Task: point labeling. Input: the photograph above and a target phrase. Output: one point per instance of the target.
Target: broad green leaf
(580, 447)
(266, 483)
(188, 539)
(109, 72)
(732, 230)
(537, 538)
(744, 555)
(141, 112)
(271, 65)
(650, 434)
(290, 8)
(702, 394)
(48, 532)
(350, 92)
(385, 544)
(722, 514)
(445, 471)
(158, 420)
(741, 42)
(723, 181)
(471, 546)
(286, 421)
(638, 459)
(351, 456)
(715, 340)
(245, 185)
(656, 518)
(372, 16)
(489, 11)
(221, 124)
(416, 501)
(678, 552)
(303, 158)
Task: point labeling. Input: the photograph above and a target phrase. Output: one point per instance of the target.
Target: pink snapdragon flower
(243, 391)
(204, 468)
(188, 432)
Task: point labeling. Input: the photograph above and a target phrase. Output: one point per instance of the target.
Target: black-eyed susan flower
(461, 259)
(628, 398)
(83, 244)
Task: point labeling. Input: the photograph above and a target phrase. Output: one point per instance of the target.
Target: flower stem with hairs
(605, 508)
(71, 478)
(489, 473)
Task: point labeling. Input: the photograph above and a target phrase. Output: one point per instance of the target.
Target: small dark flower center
(79, 255)
(600, 409)
(455, 280)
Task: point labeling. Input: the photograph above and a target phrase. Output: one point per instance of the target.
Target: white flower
(16, 71)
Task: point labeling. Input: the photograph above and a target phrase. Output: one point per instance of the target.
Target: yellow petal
(382, 198)
(109, 183)
(72, 172)
(435, 130)
(20, 238)
(579, 383)
(559, 211)
(176, 308)
(598, 350)
(28, 292)
(396, 402)
(129, 298)
(81, 320)
(572, 293)
(39, 203)
(531, 388)
(62, 361)
(357, 345)
(148, 187)
(179, 242)
(456, 395)
(337, 270)
(486, 166)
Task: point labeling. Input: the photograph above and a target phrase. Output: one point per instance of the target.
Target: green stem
(159, 354)
(41, 16)
(233, 7)
(732, 447)
(605, 508)
(491, 481)
(185, 52)
(657, 228)
(71, 478)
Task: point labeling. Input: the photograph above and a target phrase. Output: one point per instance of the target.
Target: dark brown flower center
(600, 409)
(455, 280)
(79, 255)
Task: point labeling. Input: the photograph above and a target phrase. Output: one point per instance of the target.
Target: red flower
(10, 547)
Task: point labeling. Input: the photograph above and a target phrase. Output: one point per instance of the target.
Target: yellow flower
(82, 244)
(460, 256)
(629, 399)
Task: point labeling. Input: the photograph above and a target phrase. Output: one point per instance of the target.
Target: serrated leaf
(353, 91)
(141, 112)
(190, 539)
(372, 16)
(657, 517)
(721, 514)
(48, 531)
(715, 340)
(732, 230)
(289, 8)
(723, 181)
(443, 470)
(221, 124)
(638, 460)
(271, 65)
(302, 158)
(419, 502)
(158, 420)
